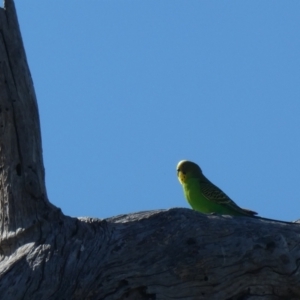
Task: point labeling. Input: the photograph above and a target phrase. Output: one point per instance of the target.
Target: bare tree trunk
(23, 194)
(168, 254)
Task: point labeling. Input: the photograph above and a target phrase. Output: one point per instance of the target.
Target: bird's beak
(180, 176)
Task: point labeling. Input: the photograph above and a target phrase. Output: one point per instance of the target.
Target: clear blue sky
(126, 89)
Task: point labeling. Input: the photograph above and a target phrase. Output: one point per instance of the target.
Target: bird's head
(186, 170)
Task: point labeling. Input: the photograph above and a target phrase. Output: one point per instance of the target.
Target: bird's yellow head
(187, 169)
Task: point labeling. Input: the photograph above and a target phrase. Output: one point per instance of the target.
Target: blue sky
(126, 89)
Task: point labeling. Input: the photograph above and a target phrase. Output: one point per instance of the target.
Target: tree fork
(166, 254)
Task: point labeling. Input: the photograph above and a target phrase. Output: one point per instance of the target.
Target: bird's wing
(214, 194)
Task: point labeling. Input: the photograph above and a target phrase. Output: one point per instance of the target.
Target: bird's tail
(249, 212)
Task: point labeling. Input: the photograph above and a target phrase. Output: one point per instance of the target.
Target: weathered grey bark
(169, 254)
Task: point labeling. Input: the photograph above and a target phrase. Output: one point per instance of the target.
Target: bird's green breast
(194, 196)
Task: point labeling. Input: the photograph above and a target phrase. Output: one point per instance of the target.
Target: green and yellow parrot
(204, 196)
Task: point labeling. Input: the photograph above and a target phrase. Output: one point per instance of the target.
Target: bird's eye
(179, 170)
